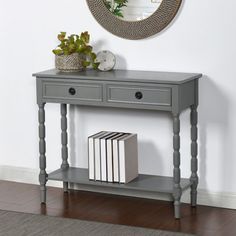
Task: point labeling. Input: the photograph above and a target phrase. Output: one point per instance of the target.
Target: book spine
(103, 160)
(97, 160)
(115, 161)
(122, 161)
(109, 161)
(91, 159)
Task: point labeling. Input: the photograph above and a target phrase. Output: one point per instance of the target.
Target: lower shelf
(145, 183)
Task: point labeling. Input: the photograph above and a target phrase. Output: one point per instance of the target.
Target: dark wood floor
(118, 210)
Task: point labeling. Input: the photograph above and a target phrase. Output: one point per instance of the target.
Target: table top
(123, 75)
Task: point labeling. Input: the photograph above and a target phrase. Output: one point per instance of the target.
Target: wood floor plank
(203, 220)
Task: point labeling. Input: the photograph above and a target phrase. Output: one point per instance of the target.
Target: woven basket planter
(69, 63)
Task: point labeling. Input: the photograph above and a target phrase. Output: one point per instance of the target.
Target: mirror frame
(135, 29)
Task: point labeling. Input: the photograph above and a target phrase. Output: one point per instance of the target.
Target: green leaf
(118, 12)
(93, 56)
(86, 63)
(81, 49)
(71, 39)
(87, 50)
(57, 51)
(61, 36)
(85, 37)
(79, 42)
(66, 51)
(80, 45)
(71, 48)
(95, 65)
(121, 1)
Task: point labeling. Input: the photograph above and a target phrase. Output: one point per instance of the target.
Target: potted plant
(74, 52)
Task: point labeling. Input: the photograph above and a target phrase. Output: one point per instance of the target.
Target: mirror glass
(132, 10)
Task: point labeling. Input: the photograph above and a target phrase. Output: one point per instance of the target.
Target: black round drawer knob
(138, 95)
(72, 91)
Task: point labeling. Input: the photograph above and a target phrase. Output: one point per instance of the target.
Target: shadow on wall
(121, 62)
(75, 137)
(72, 138)
(76, 132)
(147, 151)
(213, 115)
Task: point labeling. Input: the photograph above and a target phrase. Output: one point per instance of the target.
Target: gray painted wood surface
(161, 91)
(194, 151)
(177, 190)
(83, 91)
(123, 75)
(145, 183)
(64, 140)
(148, 96)
(42, 151)
(167, 97)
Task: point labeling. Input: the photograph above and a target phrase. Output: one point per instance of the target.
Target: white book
(97, 155)
(116, 168)
(110, 176)
(128, 158)
(104, 155)
(91, 159)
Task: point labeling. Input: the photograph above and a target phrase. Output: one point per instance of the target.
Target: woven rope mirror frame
(135, 29)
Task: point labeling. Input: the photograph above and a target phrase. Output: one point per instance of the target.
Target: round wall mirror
(134, 19)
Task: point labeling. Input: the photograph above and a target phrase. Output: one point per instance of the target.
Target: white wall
(201, 39)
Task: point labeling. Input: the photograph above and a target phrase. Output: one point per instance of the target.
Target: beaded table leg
(194, 151)
(42, 151)
(64, 148)
(176, 160)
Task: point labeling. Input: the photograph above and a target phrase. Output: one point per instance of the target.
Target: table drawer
(77, 91)
(160, 96)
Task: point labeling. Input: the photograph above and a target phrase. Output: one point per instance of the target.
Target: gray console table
(161, 91)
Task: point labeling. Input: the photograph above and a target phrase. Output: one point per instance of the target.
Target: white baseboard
(208, 198)
(23, 175)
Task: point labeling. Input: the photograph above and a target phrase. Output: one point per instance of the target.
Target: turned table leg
(42, 151)
(176, 160)
(64, 148)
(194, 151)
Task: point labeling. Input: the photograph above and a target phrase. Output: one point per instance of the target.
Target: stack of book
(113, 157)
